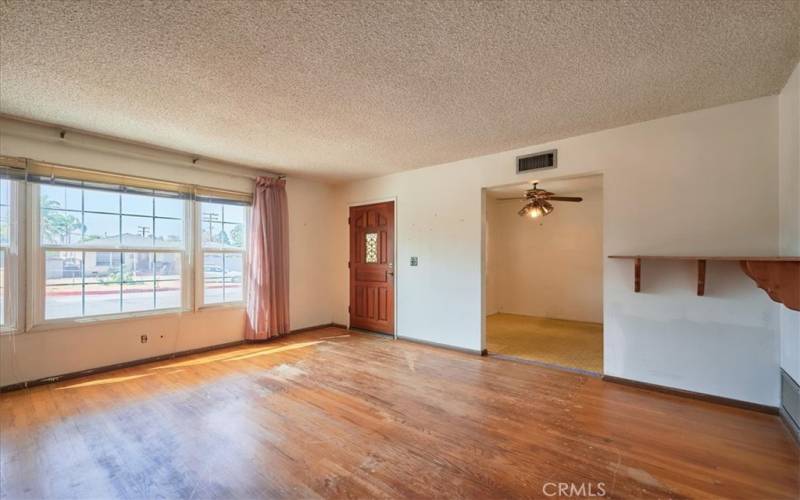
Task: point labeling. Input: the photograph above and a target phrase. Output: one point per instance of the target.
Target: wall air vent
(537, 161)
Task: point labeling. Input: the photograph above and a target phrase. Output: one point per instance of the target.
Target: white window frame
(14, 261)
(199, 258)
(37, 275)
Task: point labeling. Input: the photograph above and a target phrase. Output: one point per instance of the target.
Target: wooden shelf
(778, 276)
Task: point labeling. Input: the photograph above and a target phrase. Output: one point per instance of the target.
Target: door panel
(372, 276)
(372, 267)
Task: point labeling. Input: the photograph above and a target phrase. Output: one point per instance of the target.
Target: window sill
(59, 324)
(223, 305)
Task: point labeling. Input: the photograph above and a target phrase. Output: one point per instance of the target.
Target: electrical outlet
(143, 339)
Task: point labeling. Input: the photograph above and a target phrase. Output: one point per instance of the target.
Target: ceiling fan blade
(565, 198)
(506, 199)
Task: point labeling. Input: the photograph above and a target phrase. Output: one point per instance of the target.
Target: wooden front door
(372, 267)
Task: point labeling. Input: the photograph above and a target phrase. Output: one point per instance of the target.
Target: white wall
(789, 144)
(549, 267)
(310, 233)
(37, 354)
(698, 183)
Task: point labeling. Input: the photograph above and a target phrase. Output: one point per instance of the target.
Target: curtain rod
(63, 131)
(106, 177)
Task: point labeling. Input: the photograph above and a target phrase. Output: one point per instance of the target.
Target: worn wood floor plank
(336, 414)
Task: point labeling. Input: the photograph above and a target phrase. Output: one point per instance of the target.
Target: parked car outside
(211, 271)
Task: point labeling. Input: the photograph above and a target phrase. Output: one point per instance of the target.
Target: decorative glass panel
(372, 248)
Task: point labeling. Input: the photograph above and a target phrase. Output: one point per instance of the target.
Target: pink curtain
(268, 268)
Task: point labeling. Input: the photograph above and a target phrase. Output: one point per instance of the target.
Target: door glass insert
(372, 248)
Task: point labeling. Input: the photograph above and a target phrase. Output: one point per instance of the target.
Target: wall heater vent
(537, 161)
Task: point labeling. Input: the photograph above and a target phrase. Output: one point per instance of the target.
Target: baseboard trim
(318, 327)
(444, 346)
(116, 366)
(362, 331)
(299, 330)
(736, 403)
(794, 429)
(127, 364)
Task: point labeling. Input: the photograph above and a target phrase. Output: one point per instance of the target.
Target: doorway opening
(372, 267)
(544, 273)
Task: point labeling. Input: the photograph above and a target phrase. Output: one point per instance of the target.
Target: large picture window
(105, 252)
(84, 245)
(223, 230)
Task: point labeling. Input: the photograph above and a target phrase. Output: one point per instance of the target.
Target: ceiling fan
(538, 202)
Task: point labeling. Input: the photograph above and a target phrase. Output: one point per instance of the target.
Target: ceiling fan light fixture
(536, 209)
(537, 202)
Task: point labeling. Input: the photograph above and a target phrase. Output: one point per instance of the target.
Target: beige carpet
(573, 344)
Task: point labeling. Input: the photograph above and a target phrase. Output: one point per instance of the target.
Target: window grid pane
(64, 285)
(223, 277)
(5, 242)
(223, 239)
(5, 212)
(213, 272)
(232, 278)
(109, 220)
(223, 226)
(10, 190)
(87, 283)
(168, 294)
(3, 287)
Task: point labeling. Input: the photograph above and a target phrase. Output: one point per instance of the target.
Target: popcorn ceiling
(344, 90)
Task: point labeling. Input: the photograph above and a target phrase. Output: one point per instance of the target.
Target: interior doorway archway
(543, 275)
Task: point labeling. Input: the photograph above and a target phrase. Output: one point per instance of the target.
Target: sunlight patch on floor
(204, 359)
(236, 355)
(264, 352)
(104, 381)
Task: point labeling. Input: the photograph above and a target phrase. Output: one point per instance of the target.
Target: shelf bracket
(778, 276)
(781, 280)
(701, 277)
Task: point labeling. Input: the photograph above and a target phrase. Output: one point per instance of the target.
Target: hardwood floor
(336, 414)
